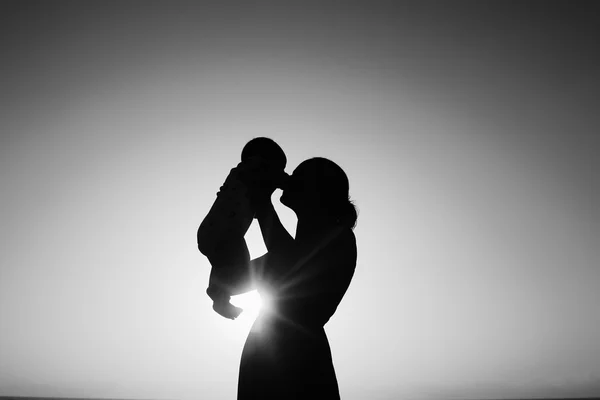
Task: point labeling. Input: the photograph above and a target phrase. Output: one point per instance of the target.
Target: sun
(251, 303)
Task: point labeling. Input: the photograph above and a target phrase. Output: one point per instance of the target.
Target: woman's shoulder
(346, 238)
(343, 246)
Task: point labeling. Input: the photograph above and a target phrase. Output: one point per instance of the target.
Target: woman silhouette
(287, 354)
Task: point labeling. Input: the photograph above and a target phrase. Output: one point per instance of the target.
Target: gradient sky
(469, 133)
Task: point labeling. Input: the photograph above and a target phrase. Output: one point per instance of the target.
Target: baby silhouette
(221, 233)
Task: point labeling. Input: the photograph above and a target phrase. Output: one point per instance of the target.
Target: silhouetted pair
(286, 354)
(221, 234)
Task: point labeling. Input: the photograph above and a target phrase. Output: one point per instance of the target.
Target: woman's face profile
(299, 187)
(313, 185)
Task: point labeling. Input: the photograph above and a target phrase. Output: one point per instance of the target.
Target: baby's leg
(221, 240)
(212, 230)
(229, 217)
(230, 263)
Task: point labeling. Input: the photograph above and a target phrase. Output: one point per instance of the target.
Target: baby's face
(263, 163)
(265, 170)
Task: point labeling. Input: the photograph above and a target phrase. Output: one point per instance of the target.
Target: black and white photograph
(357, 200)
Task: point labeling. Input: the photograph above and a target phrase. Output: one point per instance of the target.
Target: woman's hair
(333, 187)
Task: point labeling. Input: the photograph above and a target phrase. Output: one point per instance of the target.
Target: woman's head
(318, 187)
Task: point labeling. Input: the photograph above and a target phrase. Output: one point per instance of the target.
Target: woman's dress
(287, 354)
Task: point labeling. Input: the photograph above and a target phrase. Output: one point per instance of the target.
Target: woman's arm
(274, 233)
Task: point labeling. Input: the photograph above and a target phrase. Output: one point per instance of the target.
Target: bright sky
(468, 136)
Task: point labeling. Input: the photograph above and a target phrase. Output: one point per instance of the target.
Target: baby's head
(265, 149)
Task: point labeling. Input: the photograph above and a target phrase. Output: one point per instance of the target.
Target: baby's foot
(226, 309)
(221, 303)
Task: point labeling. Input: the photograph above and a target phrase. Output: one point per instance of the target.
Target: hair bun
(346, 213)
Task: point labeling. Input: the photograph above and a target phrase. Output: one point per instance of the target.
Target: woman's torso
(287, 352)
